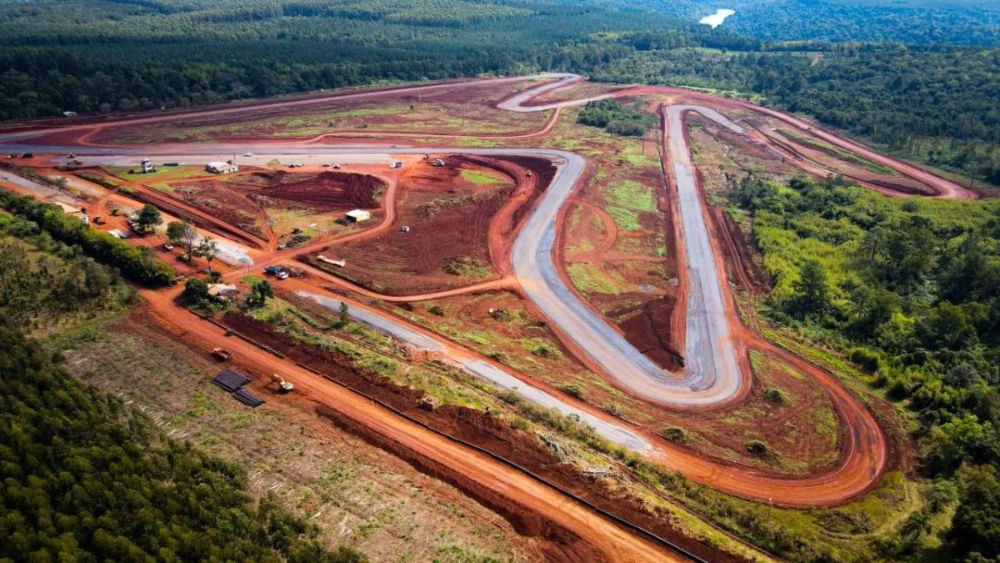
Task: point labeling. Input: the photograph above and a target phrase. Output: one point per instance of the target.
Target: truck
(221, 354)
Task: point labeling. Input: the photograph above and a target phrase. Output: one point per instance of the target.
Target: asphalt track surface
(865, 453)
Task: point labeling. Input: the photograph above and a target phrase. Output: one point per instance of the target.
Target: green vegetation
(99, 179)
(616, 118)
(971, 22)
(627, 200)
(910, 291)
(46, 284)
(929, 101)
(137, 263)
(589, 278)
(84, 477)
(466, 267)
(87, 479)
(483, 178)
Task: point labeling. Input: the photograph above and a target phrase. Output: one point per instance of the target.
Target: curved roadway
(713, 373)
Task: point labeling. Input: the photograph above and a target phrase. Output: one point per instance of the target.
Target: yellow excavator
(283, 386)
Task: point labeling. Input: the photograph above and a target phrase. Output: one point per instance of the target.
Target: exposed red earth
(864, 455)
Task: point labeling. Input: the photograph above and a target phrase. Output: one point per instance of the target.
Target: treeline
(910, 290)
(616, 118)
(935, 103)
(971, 22)
(136, 263)
(86, 479)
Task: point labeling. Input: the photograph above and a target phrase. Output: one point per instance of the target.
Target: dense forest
(910, 290)
(960, 22)
(931, 102)
(83, 477)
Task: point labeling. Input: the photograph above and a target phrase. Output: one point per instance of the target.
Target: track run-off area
(716, 343)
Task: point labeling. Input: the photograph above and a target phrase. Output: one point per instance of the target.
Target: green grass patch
(627, 200)
(483, 178)
(588, 278)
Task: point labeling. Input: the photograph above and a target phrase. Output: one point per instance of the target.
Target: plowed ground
(447, 245)
(245, 201)
(319, 193)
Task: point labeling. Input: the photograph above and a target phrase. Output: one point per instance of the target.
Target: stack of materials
(233, 382)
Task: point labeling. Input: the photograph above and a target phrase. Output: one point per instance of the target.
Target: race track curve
(865, 450)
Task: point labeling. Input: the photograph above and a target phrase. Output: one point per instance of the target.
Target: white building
(359, 215)
(221, 167)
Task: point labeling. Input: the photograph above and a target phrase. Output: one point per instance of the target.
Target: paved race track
(713, 342)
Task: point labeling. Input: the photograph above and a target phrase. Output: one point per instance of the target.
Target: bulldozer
(283, 386)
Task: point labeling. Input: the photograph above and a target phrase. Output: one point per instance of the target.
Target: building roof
(220, 288)
(359, 213)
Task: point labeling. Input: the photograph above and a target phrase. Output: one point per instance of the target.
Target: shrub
(572, 389)
(675, 434)
(777, 396)
(758, 448)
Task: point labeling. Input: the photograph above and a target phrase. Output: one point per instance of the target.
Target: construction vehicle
(222, 355)
(283, 386)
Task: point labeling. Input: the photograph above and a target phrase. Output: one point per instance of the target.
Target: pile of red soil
(326, 191)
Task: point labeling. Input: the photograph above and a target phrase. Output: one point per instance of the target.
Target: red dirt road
(611, 541)
(865, 451)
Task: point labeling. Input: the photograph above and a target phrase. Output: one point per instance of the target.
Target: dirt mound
(326, 191)
(485, 431)
(650, 333)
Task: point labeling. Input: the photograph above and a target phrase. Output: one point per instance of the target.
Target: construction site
(491, 325)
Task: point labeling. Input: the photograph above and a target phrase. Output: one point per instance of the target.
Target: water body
(716, 19)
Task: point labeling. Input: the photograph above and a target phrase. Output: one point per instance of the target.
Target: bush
(572, 389)
(758, 448)
(674, 434)
(777, 396)
(867, 360)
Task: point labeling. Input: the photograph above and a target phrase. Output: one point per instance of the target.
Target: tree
(976, 526)
(182, 233)
(812, 294)
(149, 217)
(209, 249)
(260, 292)
(196, 292)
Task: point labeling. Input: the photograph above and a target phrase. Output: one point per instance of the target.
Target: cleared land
(618, 224)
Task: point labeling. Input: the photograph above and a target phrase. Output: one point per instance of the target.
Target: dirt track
(864, 456)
